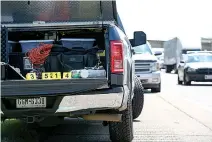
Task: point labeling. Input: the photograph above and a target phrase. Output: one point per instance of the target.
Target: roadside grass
(13, 130)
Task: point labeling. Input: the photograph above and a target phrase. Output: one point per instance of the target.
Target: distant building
(156, 43)
(206, 44)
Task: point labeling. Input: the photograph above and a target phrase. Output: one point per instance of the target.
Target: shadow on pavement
(136, 121)
(73, 130)
(201, 84)
(149, 92)
(198, 85)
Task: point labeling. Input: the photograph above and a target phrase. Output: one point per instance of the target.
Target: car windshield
(142, 49)
(199, 58)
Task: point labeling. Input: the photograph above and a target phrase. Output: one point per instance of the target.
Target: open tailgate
(43, 13)
(49, 87)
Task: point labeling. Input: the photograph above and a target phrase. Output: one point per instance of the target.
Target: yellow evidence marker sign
(31, 76)
(51, 75)
(67, 75)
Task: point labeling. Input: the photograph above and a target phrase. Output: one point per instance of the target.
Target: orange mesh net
(38, 55)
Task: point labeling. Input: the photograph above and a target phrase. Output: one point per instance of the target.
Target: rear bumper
(198, 77)
(150, 80)
(150, 86)
(66, 105)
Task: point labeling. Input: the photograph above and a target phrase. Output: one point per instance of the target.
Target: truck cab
(147, 67)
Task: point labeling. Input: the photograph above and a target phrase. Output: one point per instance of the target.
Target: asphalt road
(177, 114)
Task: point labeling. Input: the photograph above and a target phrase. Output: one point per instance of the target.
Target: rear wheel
(185, 80)
(178, 80)
(123, 131)
(138, 99)
(168, 69)
(176, 71)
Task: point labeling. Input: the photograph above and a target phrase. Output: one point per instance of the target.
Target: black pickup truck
(88, 73)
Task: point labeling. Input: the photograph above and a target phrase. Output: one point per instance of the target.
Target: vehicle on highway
(69, 59)
(160, 55)
(147, 67)
(173, 52)
(195, 67)
(190, 52)
(186, 50)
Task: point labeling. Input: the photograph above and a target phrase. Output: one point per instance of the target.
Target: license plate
(208, 76)
(31, 103)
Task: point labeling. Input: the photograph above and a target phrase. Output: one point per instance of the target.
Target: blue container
(11, 45)
(78, 42)
(27, 45)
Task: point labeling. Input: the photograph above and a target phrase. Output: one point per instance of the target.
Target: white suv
(147, 67)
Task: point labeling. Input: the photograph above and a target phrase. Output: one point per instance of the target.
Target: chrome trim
(125, 98)
(146, 66)
(59, 24)
(149, 77)
(97, 101)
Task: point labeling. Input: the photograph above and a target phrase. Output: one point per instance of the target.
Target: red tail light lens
(117, 65)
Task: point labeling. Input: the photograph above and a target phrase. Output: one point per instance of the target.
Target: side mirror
(158, 53)
(139, 38)
(133, 51)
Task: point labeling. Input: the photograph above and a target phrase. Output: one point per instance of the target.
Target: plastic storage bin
(27, 45)
(12, 45)
(78, 42)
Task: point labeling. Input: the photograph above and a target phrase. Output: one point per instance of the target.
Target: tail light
(117, 63)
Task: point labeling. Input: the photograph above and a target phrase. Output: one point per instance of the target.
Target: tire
(138, 99)
(168, 69)
(176, 71)
(178, 81)
(123, 131)
(186, 82)
(156, 90)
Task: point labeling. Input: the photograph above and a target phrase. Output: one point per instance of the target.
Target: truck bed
(49, 87)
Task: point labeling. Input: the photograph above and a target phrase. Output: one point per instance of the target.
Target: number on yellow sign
(56, 75)
(45, 75)
(67, 75)
(31, 76)
(51, 75)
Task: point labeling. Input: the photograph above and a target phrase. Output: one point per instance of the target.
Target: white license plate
(31, 103)
(208, 76)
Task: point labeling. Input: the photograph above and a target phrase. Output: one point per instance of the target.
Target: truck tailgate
(49, 87)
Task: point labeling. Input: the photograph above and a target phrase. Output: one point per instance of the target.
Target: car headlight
(191, 70)
(155, 66)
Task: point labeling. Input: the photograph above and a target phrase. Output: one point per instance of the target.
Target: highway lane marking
(199, 105)
(181, 110)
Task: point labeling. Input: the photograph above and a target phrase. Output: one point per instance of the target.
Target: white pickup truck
(147, 67)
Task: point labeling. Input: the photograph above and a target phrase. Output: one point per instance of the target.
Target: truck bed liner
(49, 87)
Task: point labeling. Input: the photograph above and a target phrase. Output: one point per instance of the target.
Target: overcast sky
(164, 19)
